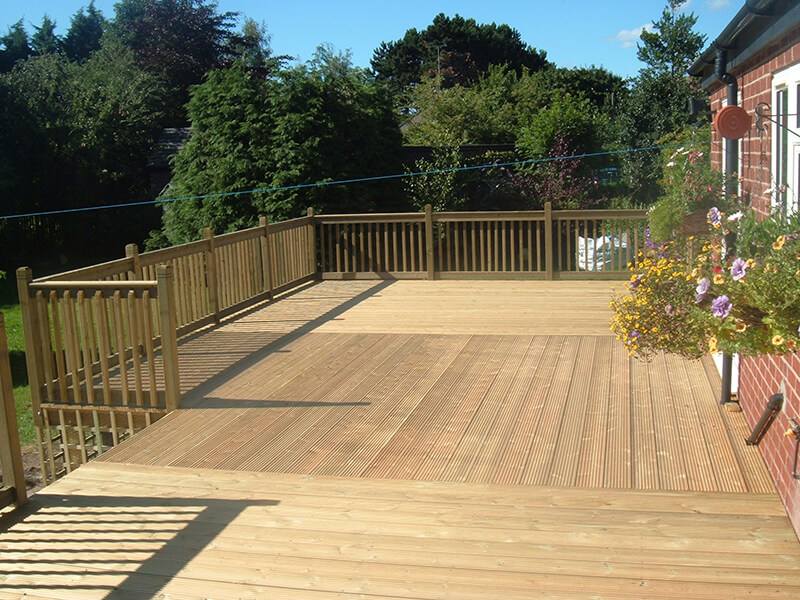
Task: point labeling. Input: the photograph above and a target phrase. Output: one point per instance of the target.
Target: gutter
(750, 12)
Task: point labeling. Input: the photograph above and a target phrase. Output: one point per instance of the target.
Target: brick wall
(761, 377)
(755, 86)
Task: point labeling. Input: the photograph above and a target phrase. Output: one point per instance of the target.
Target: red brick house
(755, 63)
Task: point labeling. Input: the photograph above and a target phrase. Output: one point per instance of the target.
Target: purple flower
(702, 289)
(721, 307)
(669, 309)
(714, 216)
(738, 269)
(647, 239)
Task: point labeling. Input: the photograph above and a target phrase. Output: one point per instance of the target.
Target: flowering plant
(689, 303)
(691, 187)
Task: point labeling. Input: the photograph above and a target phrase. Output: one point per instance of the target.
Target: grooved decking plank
(727, 470)
(417, 439)
(544, 444)
(483, 431)
(669, 452)
(619, 455)
(502, 408)
(644, 450)
(533, 377)
(593, 459)
(573, 419)
(699, 461)
(359, 444)
(498, 423)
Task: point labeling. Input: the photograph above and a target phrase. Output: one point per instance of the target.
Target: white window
(786, 139)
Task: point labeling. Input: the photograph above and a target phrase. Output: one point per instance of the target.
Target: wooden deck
(419, 440)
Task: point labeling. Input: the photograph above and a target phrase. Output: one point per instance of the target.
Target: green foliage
(572, 118)
(176, 40)
(673, 45)
(323, 121)
(466, 49)
(658, 102)
(600, 87)
(84, 34)
(690, 185)
(228, 151)
(439, 186)
(486, 113)
(45, 40)
(73, 136)
(15, 46)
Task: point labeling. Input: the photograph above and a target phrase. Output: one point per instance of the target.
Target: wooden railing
(101, 342)
(13, 489)
(537, 244)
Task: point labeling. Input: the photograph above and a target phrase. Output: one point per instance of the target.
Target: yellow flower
(741, 326)
(779, 242)
(718, 278)
(791, 345)
(777, 340)
(749, 263)
(695, 273)
(712, 344)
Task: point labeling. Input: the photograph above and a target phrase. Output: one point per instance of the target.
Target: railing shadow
(227, 354)
(61, 542)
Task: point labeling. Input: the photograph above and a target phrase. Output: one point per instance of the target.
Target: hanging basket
(695, 223)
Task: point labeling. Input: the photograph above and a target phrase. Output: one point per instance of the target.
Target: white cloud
(628, 37)
(715, 5)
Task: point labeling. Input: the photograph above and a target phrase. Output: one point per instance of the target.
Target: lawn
(19, 374)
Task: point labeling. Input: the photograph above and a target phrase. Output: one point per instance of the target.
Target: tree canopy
(84, 34)
(458, 49)
(319, 122)
(657, 105)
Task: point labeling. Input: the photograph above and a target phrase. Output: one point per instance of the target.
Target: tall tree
(319, 122)
(45, 40)
(15, 46)
(673, 44)
(178, 40)
(658, 102)
(84, 34)
(458, 49)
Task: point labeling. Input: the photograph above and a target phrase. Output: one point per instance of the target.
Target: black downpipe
(731, 164)
(774, 406)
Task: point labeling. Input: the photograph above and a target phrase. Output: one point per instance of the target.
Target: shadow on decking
(82, 537)
(248, 342)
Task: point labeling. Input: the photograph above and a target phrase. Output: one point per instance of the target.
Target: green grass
(16, 350)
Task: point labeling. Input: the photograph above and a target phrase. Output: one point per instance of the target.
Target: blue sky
(574, 33)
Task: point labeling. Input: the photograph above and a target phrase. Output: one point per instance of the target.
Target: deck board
(345, 395)
(149, 532)
(418, 440)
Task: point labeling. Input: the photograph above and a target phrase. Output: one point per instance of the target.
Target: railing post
(169, 340)
(33, 346)
(429, 242)
(312, 243)
(132, 252)
(10, 449)
(266, 259)
(548, 240)
(211, 274)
